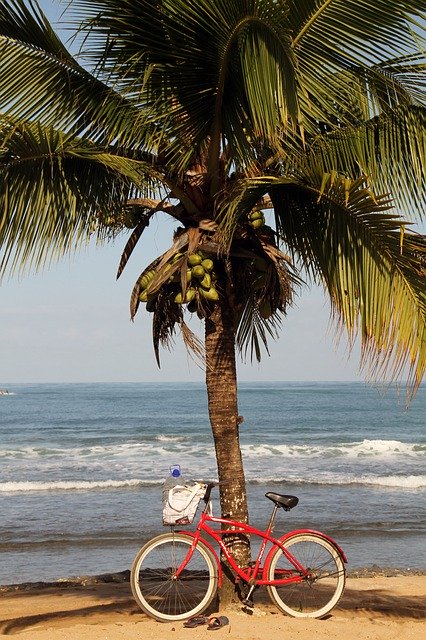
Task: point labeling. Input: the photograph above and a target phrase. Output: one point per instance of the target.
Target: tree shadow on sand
(113, 603)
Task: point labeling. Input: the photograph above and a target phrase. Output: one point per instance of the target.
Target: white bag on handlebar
(180, 503)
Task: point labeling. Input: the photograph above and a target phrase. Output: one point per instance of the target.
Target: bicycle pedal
(248, 602)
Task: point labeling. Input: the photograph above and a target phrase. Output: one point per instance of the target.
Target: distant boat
(5, 392)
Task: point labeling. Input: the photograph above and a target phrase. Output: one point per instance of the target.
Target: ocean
(82, 467)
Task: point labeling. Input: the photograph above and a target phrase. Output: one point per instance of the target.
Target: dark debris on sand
(124, 576)
(65, 583)
(384, 572)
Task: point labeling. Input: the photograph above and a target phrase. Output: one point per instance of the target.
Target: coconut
(190, 295)
(198, 271)
(207, 264)
(258, 223)
(209, 294)
(206, 282)
(194, 259)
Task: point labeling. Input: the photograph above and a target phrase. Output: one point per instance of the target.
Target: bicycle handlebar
(211, 485)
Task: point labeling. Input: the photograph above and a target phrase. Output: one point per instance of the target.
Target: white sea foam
(360, 449)
(363, 449)
(70, 485)
(129, 449)
(391, 481)
(407, 482)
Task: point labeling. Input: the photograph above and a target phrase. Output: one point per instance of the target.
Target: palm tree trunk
(221, 380)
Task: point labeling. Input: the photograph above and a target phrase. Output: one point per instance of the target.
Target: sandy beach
(372, 608)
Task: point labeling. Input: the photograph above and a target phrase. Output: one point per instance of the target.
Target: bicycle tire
(313, 597)
(155, 590)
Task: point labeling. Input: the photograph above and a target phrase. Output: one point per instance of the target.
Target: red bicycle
(176, 575)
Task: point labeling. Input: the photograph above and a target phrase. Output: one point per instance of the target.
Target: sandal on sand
(195, 621)
(217, 622)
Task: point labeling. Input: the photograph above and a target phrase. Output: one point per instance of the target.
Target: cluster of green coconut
(200, 279)
(256, 219)
(199, 284)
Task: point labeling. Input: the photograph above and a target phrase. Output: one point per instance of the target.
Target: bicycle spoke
(154, 583)
(323, 578)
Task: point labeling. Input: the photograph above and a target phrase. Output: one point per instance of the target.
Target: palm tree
(219, 113)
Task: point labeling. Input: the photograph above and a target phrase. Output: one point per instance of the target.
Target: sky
(71, 323)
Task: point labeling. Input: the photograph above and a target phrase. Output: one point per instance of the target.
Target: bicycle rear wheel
(153, 582)
(317, 594)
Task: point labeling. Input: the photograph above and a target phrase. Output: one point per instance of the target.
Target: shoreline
(121, 577)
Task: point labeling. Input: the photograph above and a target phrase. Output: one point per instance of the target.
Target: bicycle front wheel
(156, 589)
(320, 591)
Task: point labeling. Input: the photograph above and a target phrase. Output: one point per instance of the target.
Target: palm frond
(373, 268)
(390, 150)
(40, 80)
(370, 265)
(235, 203)
(166, 315)
(264, 287)
(253, 331)
(364, 29)
(194, 345)
(356, 37)
(48, 203)
(407, 74)
(133, 240)
(248, 67)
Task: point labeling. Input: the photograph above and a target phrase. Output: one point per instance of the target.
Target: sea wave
(363, 449)
(391, 481)
(164, 445)
(70, 485)
(127, 449)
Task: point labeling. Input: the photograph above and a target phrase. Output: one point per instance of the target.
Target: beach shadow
(383, 602)
(110, 604)
(114, 603)
(122, 604)
(369, 602)
(366, 602)
(16, 625)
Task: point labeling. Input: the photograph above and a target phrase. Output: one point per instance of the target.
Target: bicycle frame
(250, 574)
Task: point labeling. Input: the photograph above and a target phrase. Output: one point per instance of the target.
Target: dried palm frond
(193, 344)
(166, 315)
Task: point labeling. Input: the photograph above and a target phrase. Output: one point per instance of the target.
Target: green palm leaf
(47, 197)
(373, 149)
(310, 107)
(345, 238)
(371, 269)
(40, 80)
